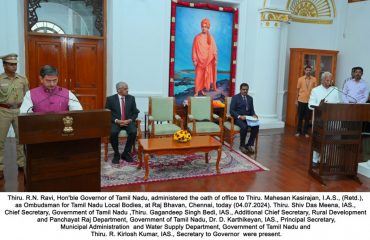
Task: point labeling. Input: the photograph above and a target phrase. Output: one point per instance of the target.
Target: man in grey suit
(124, 113)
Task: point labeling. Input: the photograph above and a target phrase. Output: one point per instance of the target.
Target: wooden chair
(121, 138)
(162, 119)
(231, 129)
(201, 118)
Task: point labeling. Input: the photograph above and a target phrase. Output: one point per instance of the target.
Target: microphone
(51, 94)
(38, 103)
(66, 98)
(346, 94)
(334, 87)
(323, 100)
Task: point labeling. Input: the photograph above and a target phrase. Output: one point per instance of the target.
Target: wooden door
(85, 75)
(295, 71)
(80, 62)
(43, 50)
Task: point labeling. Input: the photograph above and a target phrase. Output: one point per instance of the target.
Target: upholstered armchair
(162, 119)
(122, 138)
(201, 118)
(231, 129)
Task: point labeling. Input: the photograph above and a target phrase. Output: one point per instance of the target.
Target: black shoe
(250, 149)
(243, 149)
(1, 175)
(116, 159)
(20, 169)
(315, 164)
(127, 157)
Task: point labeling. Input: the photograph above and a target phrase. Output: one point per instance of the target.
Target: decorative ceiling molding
(273, 17)
(312, 11)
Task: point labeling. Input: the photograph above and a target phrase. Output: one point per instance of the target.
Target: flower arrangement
(182, 136)
(218, 104)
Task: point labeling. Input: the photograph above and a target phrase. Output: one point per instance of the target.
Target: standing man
(351, 77)
(124, 113)
(356, 89)
(49, 97)
(330, 95)
(204, 54)
(12, 89)
(304, 87)
(241, 106)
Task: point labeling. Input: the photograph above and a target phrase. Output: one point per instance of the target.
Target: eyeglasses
(11, 64)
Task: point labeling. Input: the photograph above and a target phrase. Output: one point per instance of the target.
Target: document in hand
(252, 121)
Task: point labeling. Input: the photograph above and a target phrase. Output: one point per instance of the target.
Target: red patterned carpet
(172, 167)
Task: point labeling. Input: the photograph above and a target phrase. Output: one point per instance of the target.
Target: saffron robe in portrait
(206, 57)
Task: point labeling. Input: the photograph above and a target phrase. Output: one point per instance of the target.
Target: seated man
(49, 97)
(330, 95)
(241, 106)
(124, 113)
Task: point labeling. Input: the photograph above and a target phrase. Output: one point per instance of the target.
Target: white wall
(354, 38)
(275, 4)
(138, 48)
(249, 25)
(12, 35)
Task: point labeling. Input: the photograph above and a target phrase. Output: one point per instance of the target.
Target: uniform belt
(10, 106)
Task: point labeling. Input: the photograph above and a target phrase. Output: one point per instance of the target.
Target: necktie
(123, 108)
(246, 102)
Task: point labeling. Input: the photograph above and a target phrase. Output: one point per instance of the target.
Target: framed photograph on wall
(203, 51)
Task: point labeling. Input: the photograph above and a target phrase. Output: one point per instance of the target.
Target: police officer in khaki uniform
(12, 90)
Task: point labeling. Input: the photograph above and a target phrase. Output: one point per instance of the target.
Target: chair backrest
(161, 108)
(227, 106)
(201, 107)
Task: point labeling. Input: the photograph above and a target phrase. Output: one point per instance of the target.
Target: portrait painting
(202, 51)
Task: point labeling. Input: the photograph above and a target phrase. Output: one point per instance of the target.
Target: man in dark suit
(241, 106)
(124, 113)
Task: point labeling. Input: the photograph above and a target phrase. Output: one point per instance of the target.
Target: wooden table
(166, 146)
